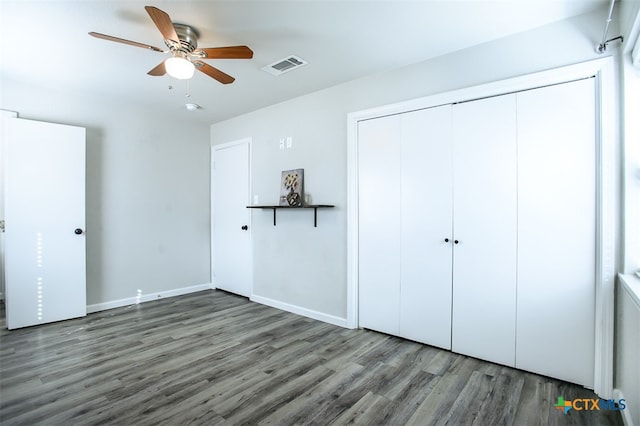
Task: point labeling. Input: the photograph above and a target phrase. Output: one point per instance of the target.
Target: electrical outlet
(255, 200)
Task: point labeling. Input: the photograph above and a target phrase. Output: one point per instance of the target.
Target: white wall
(147, 191)
(303, 266)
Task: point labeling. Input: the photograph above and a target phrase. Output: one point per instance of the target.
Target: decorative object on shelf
(292, 188)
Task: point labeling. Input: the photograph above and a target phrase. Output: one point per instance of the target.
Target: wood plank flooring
(215, 358)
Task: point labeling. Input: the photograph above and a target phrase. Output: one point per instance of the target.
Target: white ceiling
(45, 43)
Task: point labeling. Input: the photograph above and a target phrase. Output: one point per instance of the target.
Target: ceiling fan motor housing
(188, 39)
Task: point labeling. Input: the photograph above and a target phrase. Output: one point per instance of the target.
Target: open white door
(45, 273)
(231, 235)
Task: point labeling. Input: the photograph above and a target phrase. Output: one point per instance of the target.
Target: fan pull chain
(188, 93)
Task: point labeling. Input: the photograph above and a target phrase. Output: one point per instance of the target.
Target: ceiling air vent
(285, 65)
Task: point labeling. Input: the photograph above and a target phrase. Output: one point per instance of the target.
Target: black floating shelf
(315, 208)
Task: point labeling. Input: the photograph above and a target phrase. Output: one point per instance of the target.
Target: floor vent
(285, 65)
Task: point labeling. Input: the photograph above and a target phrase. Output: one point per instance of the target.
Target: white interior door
(379, 224)
(45, 219)
(485, 220)
(557, 231)
(426, 188)
(231, 232)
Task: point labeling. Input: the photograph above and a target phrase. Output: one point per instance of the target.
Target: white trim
(97, 307)
(4, 114)
(631, 285)
(633, 47)
(353, 212)
(606, 230)
(627, 419)
(603, 69)
(214, 148)
(320, 316)
(529, 81)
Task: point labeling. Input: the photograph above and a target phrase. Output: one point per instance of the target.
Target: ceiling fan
(182, 41)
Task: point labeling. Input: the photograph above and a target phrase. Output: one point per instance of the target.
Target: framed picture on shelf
(292, 188)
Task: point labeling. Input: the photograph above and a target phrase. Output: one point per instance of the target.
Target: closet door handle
(456, 241)
(446, 240)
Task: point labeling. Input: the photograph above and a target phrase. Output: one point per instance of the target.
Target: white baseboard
(331, 319)
(141, 298)
(626, 413)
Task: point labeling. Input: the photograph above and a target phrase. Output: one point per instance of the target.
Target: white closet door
(425, 289)
(485, 217)
(557, 231)
(232, 267)
(379, 227)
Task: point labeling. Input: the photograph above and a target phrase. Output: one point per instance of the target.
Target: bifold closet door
(485, 225)
(426, 188)
(379, 223)
(557, 231)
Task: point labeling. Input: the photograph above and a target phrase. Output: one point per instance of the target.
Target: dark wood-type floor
(215, 358)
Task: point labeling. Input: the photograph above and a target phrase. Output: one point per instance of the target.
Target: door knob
(446, 240)
(78, 231)
(456, 241)
(245, 227)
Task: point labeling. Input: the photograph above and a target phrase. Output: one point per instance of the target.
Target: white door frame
(608, 186)
(248, 141)
(4, 115)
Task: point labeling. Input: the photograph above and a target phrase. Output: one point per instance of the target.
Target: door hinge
(1, 225)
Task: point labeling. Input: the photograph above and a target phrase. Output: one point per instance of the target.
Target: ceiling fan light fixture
(182, 41)
(179, 68)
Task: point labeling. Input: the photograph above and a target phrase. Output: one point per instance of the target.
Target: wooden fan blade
(121, 40)
(230, 52)
(159, 70)
(213, 72)
(163, 22)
